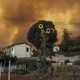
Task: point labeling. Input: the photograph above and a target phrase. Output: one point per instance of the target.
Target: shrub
(77, 62)
(5, 72)
(13, 72)
(20, 72)
(67, 61)
(32, 69)
(0, 78)
(69, 53)
(73, 49)
(61, 68)
(35, 53)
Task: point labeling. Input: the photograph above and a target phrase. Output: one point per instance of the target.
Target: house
(26, 63)
(56, 49)
(24, 59)
(21, 63)
(19, 50)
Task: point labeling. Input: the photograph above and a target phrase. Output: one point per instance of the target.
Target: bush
(13, 71)
(74, 49)
(77, 62)
(62, 68)
(32, 69)
(5, 72)
(69, 53)
(35, 53)
(20, 72)
(67, 61)
(0, 78)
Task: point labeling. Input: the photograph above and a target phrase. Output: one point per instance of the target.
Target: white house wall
(12, 52)
(20, 50)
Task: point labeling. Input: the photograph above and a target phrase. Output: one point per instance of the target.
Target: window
(27, 49)
(12, 49)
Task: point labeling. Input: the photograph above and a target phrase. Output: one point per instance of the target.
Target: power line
(17, 19)
(33, 20)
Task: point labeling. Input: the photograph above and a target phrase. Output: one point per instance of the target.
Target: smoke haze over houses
(66, 11)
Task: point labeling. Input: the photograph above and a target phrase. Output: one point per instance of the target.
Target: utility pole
(0, 69)
(9, 70)
(4, 64)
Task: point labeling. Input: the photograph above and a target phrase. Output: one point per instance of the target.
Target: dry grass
(28, 77)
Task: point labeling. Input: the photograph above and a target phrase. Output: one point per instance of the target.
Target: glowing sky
(67, 11)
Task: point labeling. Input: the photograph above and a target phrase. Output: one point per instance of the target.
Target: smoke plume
(57, 11)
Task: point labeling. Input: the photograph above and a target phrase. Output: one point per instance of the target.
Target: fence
(73, 73)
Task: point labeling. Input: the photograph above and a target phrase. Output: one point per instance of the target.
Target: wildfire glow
(15, 31)
(0, 11)
(60, 17)
(60, 12)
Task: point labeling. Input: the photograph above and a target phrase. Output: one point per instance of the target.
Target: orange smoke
(63, 11)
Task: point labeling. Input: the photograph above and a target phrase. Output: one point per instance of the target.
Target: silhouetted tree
(33, 34)
(66, 42)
